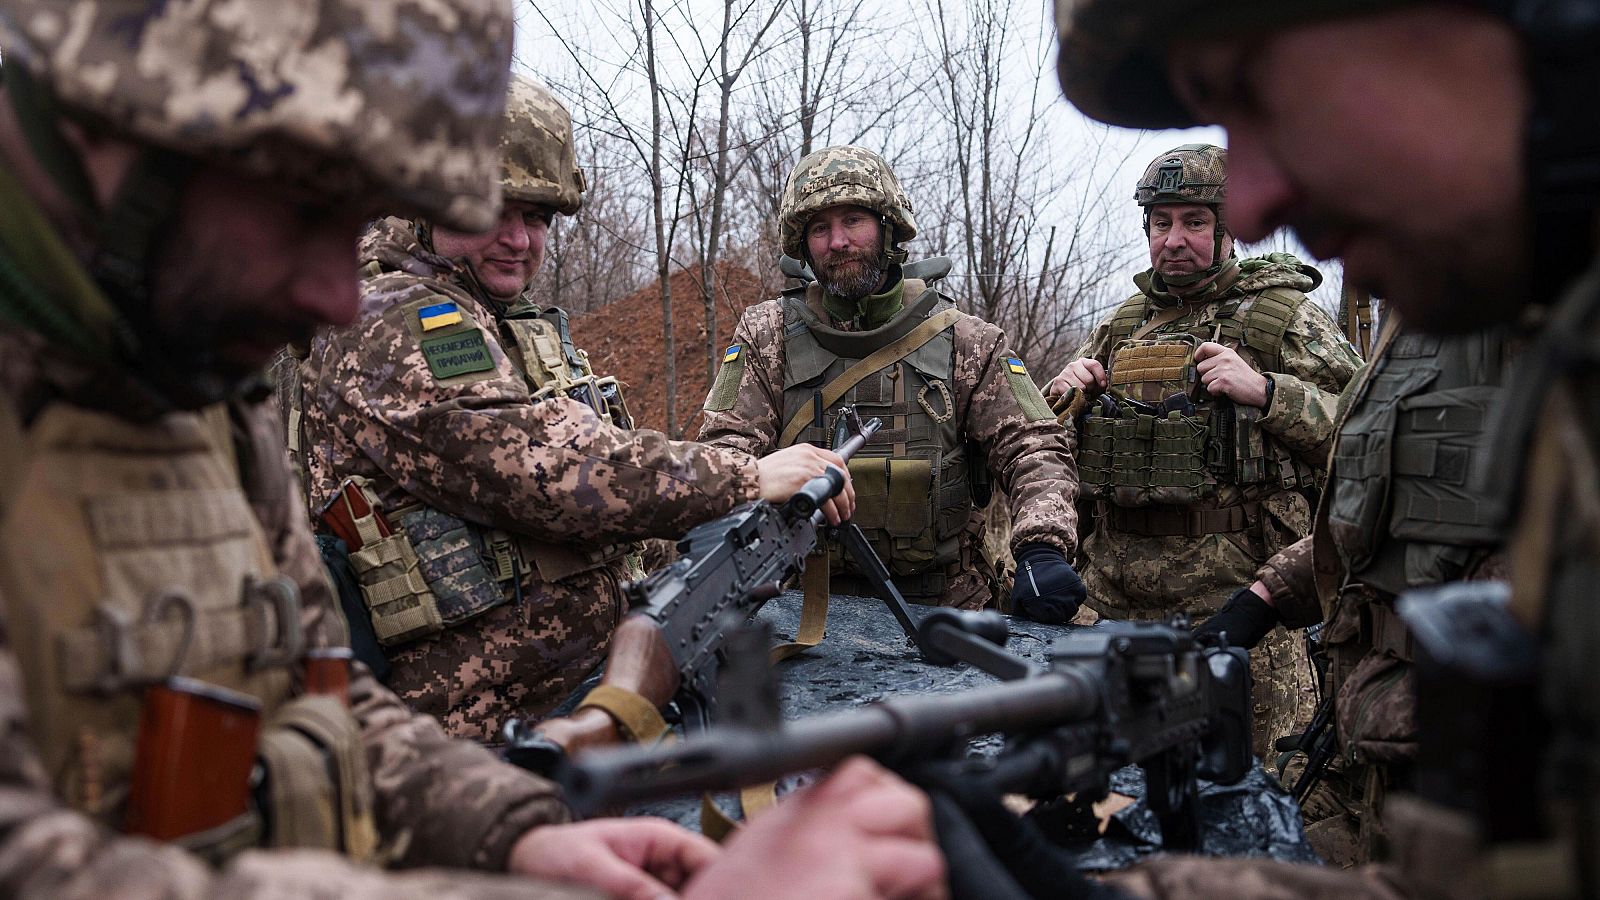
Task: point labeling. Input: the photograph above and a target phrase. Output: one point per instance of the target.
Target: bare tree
(1030, 260)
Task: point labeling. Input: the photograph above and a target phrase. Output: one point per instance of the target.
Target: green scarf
(870, 312)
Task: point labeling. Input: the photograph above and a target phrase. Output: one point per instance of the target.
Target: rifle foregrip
(817, 491)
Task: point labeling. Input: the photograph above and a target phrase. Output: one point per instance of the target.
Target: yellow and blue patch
(731, 354)
(439, 315)
(1016, 366)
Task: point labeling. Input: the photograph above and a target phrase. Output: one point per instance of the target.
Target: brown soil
(624, 338)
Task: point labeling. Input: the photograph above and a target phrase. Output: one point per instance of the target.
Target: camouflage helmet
(1193, 173)
(842, 175)
(539, 163)
(1112, 61)
(401, 100)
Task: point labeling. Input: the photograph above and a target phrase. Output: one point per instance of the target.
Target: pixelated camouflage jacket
(440, 802)
(1152, 575)
(1030, 459)
(478, 447)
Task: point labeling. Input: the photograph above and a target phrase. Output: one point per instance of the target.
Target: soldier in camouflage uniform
(1336, 113)
(1400, 510)
(1216, 384)
(516, 485)
(153, 550)
(960, 412)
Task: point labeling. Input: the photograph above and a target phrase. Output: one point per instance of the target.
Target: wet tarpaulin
(866, 657)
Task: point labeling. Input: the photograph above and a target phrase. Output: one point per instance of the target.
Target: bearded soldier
(183, 185)
(1336, 116)
(504, 467)
(1215, 388)
(962, 419)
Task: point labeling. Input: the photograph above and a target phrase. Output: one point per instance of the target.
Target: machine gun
(668, 648)
(1118, 694)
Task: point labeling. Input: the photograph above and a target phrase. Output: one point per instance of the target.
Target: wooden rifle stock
(638, 662)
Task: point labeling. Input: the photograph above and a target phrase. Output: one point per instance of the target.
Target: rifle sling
(1161, 318)
(753, 800)
(638, 718)
(813, 612)
(892, 352)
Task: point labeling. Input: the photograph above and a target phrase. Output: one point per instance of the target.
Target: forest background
(690, 114)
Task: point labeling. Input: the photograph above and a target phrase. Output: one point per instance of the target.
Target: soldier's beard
(851, 276)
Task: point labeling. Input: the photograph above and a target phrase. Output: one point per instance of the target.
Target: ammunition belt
(1157, 521)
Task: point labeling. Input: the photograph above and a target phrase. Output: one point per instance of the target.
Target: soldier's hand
(1248, 617)
(785, 471)
(1084, 374)
(1226, 374)
(1046, 589)
(861, 834)
(630, 859)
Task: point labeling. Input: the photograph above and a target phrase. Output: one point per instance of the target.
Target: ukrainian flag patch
(1017, 368)
(731, 354)
(438, 316)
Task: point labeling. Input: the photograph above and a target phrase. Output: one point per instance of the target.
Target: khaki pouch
(317, 792)
(401, 604)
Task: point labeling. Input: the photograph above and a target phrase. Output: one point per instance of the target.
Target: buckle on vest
(121, 652)
(281, 597)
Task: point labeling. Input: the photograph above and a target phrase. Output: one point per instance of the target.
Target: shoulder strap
(1162, 318)
(899, 349)
(1127, 317)
(1266, 319)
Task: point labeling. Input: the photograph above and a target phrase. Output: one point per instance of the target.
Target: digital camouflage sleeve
(478, 446)
(1030, 457)
(444, 418)
(439, 802)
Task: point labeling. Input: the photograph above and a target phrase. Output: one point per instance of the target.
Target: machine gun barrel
(894, 731)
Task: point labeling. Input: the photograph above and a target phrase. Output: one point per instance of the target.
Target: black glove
(1046, 589)
(1246, 618)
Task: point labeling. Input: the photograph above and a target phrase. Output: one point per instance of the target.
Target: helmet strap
(129, 233)
(895, 255)
(38, 115)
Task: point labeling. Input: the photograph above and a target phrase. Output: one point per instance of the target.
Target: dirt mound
(624, 338)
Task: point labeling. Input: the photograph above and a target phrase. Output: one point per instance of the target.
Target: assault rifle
(668, 648)
(1117, 694)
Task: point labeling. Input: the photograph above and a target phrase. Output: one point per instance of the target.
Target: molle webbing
(1152, 364)
(914, 482)
(1257, 320)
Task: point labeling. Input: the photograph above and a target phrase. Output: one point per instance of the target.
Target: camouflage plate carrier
(918, 479)
(1160, 439)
